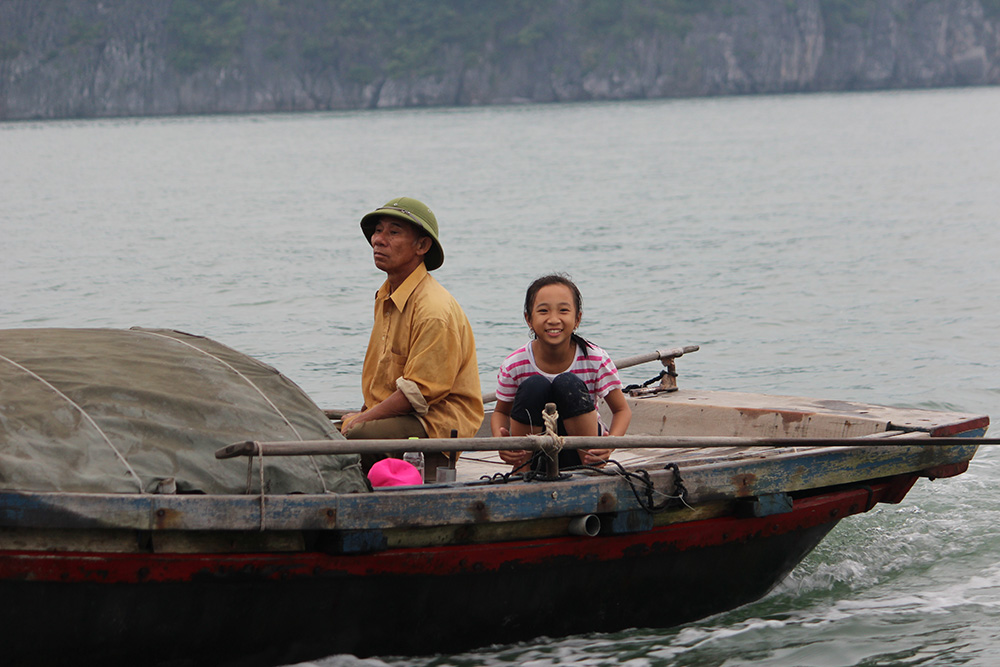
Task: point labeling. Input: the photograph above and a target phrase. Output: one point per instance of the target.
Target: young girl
(560, 367)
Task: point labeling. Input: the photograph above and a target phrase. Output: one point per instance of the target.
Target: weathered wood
(18, 538)
(205, 542)
(699, 412)
(761, 472)
(534, 443)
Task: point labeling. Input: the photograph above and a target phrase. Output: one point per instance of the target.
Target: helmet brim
(434, 257)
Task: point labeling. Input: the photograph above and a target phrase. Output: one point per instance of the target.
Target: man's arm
(394, 406)
(434, 361)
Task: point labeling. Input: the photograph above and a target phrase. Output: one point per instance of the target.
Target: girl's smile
(554, 316)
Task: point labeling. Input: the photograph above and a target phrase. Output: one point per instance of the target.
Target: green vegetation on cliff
(398, 38)
(67, 58)
(840, 13)
(367, 39)
(206, 32)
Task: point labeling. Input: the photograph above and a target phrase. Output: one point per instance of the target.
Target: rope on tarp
(83, 412)
(259, 391)
(259, 452)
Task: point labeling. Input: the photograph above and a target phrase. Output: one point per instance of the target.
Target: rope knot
(549, 441)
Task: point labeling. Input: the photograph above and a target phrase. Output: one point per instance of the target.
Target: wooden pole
(323, 447)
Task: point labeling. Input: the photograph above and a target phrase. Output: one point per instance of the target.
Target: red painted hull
(253, 608)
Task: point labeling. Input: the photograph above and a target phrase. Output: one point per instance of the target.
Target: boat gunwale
(785, 470)
(449, 558)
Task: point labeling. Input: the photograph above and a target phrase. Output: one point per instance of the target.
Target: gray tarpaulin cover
(144, 410)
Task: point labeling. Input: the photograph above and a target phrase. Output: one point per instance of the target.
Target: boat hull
(274, 608)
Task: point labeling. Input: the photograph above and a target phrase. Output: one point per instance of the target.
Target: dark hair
(557, 279)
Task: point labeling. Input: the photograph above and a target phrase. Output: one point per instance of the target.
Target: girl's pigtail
(581, 343)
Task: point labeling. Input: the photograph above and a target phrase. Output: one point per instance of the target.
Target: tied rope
(550, 442)
(258, 451)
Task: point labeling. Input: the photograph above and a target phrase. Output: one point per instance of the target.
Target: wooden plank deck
(694, 412)
(688, 412)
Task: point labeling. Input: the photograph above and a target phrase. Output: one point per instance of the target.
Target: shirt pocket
(397, 362)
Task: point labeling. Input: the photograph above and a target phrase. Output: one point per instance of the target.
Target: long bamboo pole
(324, 447)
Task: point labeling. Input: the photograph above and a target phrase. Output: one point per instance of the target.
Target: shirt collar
(403, 292)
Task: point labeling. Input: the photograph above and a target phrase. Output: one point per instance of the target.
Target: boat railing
(536, 443)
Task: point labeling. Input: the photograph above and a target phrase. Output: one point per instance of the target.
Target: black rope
(516, 474)
(639, 482)
(633, 387)
(642, 485)
(500, 477)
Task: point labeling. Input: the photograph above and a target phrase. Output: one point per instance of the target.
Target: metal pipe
(587, 525)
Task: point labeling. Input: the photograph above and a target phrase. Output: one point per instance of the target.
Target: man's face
(397, 246)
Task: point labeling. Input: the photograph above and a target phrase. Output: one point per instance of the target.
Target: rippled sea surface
(839, 246)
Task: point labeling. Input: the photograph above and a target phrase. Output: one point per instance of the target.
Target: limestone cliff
(89, 58)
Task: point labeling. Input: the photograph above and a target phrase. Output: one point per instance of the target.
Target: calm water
(843, 246)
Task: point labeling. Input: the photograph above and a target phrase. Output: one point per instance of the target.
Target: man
(420, 377)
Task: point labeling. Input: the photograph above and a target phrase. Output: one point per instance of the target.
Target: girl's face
(553, 315)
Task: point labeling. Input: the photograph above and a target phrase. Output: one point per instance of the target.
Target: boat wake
(830, 613)
(934, 626)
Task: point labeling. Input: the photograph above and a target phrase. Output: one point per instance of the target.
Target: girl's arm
(500, 427)
(500, 419)
(621, 413)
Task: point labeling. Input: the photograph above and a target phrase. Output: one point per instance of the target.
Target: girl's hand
(515, 457)
(595, 457)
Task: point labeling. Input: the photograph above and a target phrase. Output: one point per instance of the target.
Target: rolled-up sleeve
(433, 364)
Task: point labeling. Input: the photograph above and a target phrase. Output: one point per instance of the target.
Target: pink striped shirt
(595, 368)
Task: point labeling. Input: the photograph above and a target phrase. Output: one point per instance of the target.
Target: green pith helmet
(416, 213)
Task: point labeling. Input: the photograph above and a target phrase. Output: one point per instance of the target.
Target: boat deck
(689, 412)
(476, 465)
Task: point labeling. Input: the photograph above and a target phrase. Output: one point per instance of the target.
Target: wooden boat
(717, 497)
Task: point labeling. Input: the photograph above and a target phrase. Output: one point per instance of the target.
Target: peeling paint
(167, 518)
(743, 484)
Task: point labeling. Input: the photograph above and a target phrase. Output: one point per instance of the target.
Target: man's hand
(346, 421)
(394, 406)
